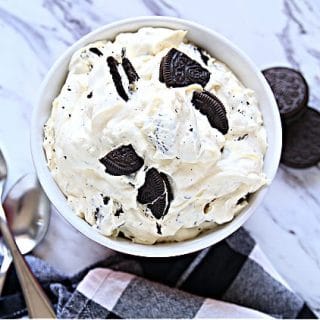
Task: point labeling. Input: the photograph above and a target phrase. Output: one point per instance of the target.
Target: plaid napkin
(232, 279)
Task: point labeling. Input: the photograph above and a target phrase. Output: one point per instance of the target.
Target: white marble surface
(278, 32)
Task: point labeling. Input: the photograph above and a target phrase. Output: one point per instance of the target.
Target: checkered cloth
(232, 279)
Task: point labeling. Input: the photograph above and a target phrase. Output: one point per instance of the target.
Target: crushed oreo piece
(158, 228)
(204, 56)
(96, 51)
(106, 200)
(89, 96)
(113, 66)
(96, 213)
(121, 235)
(118, 212)
(179, 70)
(242, 137)
(130, 71)
(243, 199)
(156, 193)
(122, 161)
(206, 208)
(210, 106)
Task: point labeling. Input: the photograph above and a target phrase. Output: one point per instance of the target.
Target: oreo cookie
(113, 67)
(156, 193)
(122, 161)
(289, 88)
(209, 105)
(179, 70)
(301, 140)
(130, 71)
(294, 118)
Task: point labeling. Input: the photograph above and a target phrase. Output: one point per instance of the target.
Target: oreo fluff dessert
(153, 139)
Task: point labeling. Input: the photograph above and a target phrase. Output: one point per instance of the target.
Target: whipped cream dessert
(153, 139)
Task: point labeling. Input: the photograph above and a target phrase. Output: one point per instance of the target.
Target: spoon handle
(37, 302)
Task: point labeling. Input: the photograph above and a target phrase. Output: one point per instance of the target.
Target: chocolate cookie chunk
(161, 70)
(106, 200)
(301, 140)
(152, 188)
(113, 66)
(289, 88)
(159, 208)
(156, 193)
(204, 56)
(130, 71)
(96, 51)
(122, 161)
(209, 105)
(179, 70)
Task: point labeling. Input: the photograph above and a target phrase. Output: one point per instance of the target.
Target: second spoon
(28, 212)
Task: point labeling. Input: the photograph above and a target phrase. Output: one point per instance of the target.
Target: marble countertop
(276, 32)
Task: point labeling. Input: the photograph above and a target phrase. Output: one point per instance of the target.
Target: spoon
(28, 212)
(37, 302)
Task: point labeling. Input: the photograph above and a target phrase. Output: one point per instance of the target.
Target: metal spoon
(28, 212)
(37, 302)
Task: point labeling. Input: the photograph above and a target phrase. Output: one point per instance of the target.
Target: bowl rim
(201, 241)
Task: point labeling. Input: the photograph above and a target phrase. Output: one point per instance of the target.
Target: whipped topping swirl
(210, 174)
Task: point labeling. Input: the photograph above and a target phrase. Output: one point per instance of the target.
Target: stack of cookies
(300, 123)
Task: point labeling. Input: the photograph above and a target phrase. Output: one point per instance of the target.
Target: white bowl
(217, 46)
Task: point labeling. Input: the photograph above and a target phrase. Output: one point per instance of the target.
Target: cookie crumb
(158, 228)
(118, 212)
